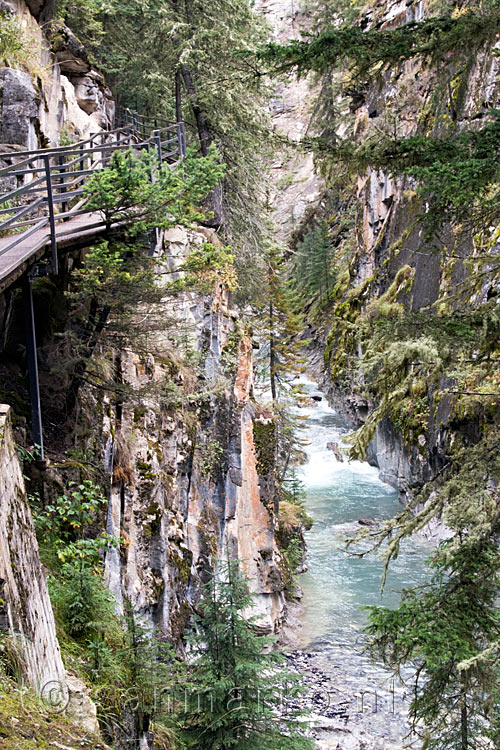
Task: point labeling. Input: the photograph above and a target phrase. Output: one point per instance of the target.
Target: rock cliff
(389, 258)
(190, 486)
(184, 452)
(24, 593)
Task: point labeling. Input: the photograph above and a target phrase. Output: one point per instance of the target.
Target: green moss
(154, 514)
(265, 441)
(145, 471)
(181, 562)
(26, 723)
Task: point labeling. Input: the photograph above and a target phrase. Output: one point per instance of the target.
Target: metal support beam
(52, 221)
(29, 323)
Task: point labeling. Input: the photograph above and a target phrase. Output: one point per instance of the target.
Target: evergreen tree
(281, 326)
(184, 60)
(313, 264)
(237, 689)
(450, 631)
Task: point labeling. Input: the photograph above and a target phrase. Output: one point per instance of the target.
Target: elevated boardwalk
(43, 210)
(84, 228)
(42, 192)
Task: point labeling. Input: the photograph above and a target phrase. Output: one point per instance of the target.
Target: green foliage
(313, 263)
(197, 48)
(364, 49)
(457, 175)
(237, 687)
(71, 512)
(450, 631)
(133, 189)
(208, 264)
(82, 602)
(17, 49)
(280, 325)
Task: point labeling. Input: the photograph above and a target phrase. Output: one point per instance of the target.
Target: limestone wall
(24, 588)
(58, 93)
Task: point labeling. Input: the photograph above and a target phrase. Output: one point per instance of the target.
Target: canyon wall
(53, 93)
(386, 248)
(194, 484)
(24, 593)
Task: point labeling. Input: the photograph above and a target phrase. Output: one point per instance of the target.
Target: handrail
(50, 177)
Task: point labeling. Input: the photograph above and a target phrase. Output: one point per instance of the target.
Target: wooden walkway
(42, 203)
(82, 228)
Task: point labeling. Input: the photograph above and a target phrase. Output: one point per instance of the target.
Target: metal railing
(145, 124)
(46, 186)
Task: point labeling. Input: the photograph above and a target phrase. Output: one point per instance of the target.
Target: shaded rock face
(19, 104)
(71, 97)
(192, 486)
(387, 208)
(68, 50)
(24, 586)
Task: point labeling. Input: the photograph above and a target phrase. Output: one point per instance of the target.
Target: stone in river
(367, 521)
(334, 447)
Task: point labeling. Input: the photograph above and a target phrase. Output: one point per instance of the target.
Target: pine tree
(313, 263)
(450, 631)
(237, 688)
(281, 326)
(188, 60)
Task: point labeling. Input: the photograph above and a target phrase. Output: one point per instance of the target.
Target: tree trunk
(81, 365)
(272, 354)
(178, 96)
(201, 121)
(464, 725)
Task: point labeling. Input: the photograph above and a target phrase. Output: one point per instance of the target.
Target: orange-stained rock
(244, 376)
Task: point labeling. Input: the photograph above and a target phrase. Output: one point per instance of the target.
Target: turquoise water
(337, 585)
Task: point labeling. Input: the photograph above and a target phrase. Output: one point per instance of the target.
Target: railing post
(154, 234)
(157, 137)
(82, 157)
(62, 172)
(181, 142)
(103, 150)
(34, 387)
(52, 221)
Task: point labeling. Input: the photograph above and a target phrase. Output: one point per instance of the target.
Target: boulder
(80, 706)
(68, 49)
(334, 447)
(89, 92)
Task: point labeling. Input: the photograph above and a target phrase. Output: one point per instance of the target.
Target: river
(362, 706)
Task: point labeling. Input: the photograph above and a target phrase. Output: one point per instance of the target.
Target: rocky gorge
(165, 415)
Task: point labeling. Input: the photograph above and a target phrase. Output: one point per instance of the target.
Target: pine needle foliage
(280, 326)
(313, 264)
(450, 631)
(433, 38)
(186, 59)
(457, 175)
(238, 688)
